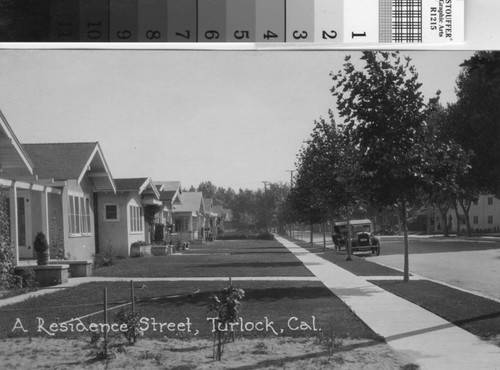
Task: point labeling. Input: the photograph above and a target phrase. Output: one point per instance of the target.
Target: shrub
(226, 303)
(131, 320)
(104, 259)
(139, 243)
(259, 236)
(159, 232)
(7, 277)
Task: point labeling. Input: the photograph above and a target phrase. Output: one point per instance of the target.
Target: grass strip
(478, 315)
(246, 258)
(358, 265)
(303, 306)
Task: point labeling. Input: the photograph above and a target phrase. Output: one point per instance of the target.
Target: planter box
(77, 268)
(48, 275)
(140, 251)
(159, 250)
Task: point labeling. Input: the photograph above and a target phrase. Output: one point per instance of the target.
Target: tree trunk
(455, 205)
(406, 276)
(442, 213)
(324, 236)
(399, 223)
(465, 205)
(311, 230)
(348, 246)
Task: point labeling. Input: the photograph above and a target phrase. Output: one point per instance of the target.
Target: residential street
(469, 264)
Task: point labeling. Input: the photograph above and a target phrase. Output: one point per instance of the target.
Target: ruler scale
(233, 21)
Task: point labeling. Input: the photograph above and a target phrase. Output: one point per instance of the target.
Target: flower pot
(42, 258)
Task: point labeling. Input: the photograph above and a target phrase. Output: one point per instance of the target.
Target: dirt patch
(271, 353)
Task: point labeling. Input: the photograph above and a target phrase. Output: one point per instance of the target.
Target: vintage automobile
(362, 238)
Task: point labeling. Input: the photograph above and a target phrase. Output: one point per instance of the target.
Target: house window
(475, 220)
(111, 212)
(79, 215)
(136, 224)
(490, 220)
(475, 202)
(490, 201)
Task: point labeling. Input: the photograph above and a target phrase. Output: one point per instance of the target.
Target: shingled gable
(169, 191)
(139, 184)
(71, 161)
(15, 163)
(144, 186)
(191, 202)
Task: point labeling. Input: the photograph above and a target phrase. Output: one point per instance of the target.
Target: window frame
(79, 215)
(106, 219)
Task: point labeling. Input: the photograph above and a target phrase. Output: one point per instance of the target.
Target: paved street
(473, 265)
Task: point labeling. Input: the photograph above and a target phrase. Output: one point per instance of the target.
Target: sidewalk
(432, 342)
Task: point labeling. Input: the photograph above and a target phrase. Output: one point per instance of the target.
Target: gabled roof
(217, 210)
(191, 202)
(208, 204)
(14, 160)
(139, 184)
(169, 185)
(71, 161)
(228, 214)
(169, 190)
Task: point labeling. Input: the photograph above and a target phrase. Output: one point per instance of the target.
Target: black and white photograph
(178, 209)
(249, 184)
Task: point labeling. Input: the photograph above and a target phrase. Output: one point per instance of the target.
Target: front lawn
(218, 259)
(283, 306)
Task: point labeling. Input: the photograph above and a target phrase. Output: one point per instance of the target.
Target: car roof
(354, 222)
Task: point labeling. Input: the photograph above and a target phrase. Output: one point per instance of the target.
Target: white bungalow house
(484, 214)
(170, 192)
(52, 188)
(121, 215)
(189, 216)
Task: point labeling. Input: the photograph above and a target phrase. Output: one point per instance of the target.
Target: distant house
(227, 219)
(218, 227)
(52, 188)
(484, 215)
(121, 215)
(189, 216)
(170, 192)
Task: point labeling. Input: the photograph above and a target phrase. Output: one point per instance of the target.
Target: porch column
(13, 221)
(45, 213)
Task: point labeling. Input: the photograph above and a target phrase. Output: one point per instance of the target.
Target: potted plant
(41, 248)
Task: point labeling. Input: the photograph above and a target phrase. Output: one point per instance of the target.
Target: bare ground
(270, 353)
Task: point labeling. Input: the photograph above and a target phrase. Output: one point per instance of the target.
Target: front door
(24, 226)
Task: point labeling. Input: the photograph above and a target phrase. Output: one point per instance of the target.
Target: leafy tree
(329, 163)
(451, 164)
(207, 189)
(475, 124)
(384, 113)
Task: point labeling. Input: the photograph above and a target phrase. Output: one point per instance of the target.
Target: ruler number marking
(152, 35)
(124, 34)
(238, 34)
(329, 35)
(270, 34)
(297, 35)
(212, 34)
(186, 35)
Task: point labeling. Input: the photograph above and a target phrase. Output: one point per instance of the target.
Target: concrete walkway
(432, 342)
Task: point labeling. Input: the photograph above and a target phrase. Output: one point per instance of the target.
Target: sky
(235, 118)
